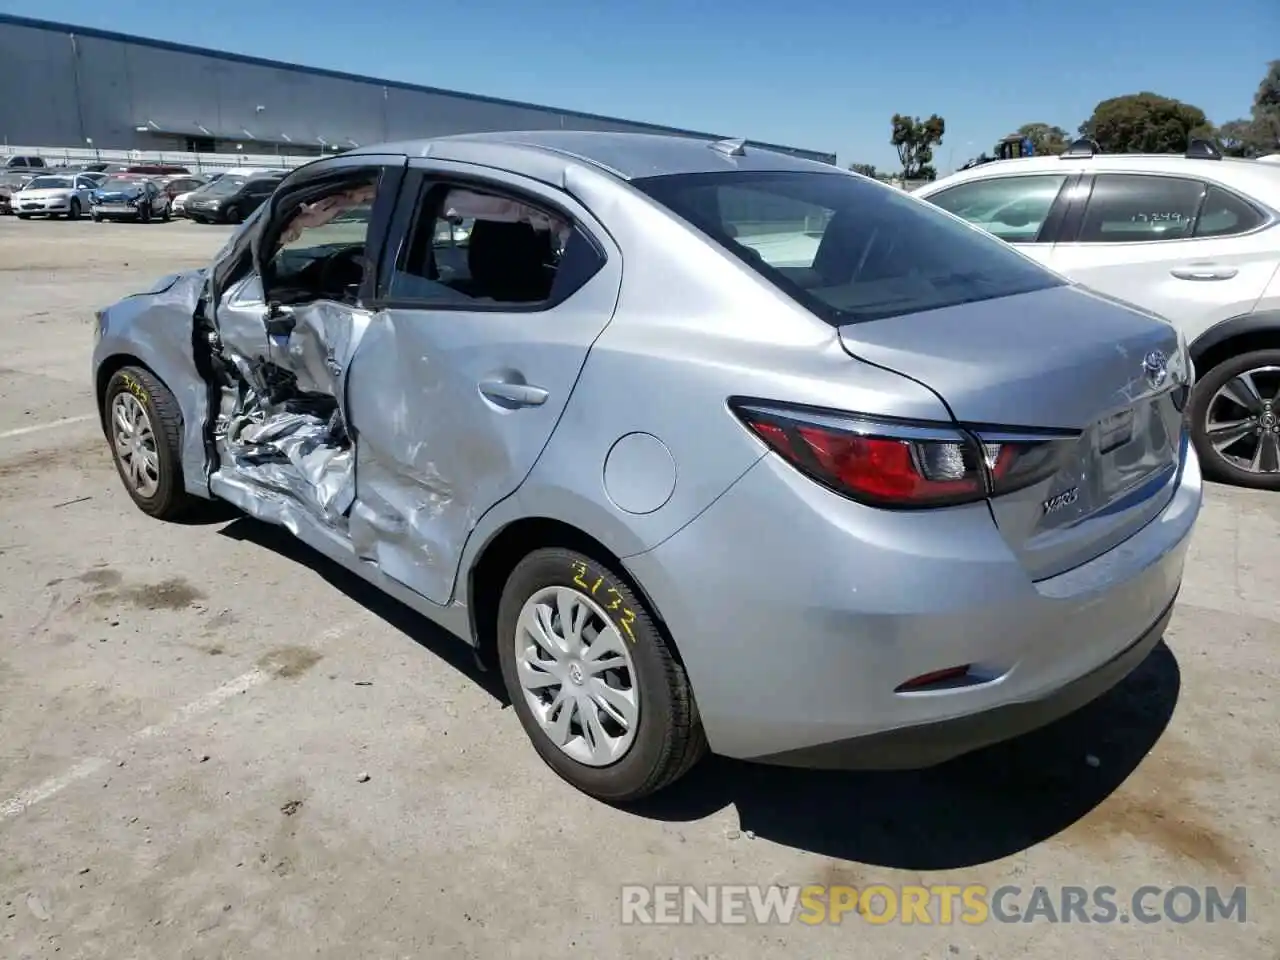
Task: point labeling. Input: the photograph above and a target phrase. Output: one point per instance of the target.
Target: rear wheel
(144, 425)
(595, 684)
(1235, 420)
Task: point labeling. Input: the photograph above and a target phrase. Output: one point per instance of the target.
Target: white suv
(1195, 238)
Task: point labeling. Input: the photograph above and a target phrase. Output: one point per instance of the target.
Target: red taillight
(898, 465)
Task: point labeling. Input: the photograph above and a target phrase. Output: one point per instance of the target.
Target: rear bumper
(799, 614)
(928, 744)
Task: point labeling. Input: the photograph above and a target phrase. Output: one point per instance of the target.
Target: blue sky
(819, 74)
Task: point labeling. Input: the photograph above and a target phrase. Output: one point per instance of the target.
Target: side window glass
(1011, 208)
(1131, 208)
(470, 248)
(320, 252)
(1224, 214)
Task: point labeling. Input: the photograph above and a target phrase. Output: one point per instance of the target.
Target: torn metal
(281, 429)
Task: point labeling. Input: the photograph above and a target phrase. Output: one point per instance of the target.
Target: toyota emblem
(1156, 366)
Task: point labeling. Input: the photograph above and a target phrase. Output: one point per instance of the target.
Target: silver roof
(626, 155)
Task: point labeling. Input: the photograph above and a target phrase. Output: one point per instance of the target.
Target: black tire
(232, 214)
(73, 211)
(669, 738)
(144, 213)
(170, 499)
(95, 218)
(168, 213)
(24, 216)
(1214, 464)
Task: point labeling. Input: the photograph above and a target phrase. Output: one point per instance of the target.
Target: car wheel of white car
(73, 211)
(144, 425)
(1235, 420)
(596, 685)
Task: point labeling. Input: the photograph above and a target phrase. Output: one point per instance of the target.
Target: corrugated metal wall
(64, 88)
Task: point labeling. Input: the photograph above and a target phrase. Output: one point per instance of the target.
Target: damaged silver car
(704, 446)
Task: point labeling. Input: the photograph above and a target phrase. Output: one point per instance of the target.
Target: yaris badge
(1156, 366)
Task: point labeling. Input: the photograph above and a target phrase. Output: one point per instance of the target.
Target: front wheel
(233, 214)
(73, 211)
(596, 685)
(144, 425)
(168, 212)
(1235, 420)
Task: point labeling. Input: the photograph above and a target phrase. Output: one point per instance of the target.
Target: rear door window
(1133, 208)
(1224, 214)
(849, 249)
(1012, 208)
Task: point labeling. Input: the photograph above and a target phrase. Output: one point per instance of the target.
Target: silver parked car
(55, 195)
(701, 445)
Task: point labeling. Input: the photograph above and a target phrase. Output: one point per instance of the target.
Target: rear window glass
(848, 249)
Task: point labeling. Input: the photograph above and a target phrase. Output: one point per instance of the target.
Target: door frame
(422, 172)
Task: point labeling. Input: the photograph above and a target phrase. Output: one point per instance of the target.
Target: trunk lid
(1061, 359)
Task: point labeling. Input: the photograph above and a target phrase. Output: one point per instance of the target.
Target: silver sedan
(699, 445)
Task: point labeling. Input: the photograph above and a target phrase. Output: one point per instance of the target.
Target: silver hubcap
(577, 676)
(135, 444)
(1243, 420)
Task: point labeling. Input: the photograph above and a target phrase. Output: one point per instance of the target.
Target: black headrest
(508, 260)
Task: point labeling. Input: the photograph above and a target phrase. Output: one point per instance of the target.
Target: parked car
(842, 512)
(1194, 238)
(230, 198)
(25, 163)
(54, 195)
(10, 182)
(157, 169)
(129, 198)
(176, 186)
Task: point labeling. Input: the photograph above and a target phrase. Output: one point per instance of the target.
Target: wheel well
(499, 557)
(1236, 346)
(105, 372)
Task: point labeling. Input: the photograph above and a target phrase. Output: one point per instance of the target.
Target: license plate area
(1115, 431)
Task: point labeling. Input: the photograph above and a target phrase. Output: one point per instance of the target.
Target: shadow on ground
(395, 614)
(972, 810)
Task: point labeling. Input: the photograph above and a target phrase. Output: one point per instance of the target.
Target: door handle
(508, 394)
(1204, 271)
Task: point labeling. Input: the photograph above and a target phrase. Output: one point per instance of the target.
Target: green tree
(1044, 137)
(915, 139)
(1145, 123)
(1259, 134)
(866, 169)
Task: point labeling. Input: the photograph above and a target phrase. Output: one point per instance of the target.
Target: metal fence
(196, 162)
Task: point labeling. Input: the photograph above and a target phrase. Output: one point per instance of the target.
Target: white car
(55, 195)
(1194, 238)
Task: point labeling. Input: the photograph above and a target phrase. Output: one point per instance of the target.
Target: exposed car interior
(283, 427)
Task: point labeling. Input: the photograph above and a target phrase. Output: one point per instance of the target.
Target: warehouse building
(64, 86)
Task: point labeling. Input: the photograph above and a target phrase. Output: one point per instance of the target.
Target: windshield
(223, 186)
(848, 249)
(50, 183)
(120, 183)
